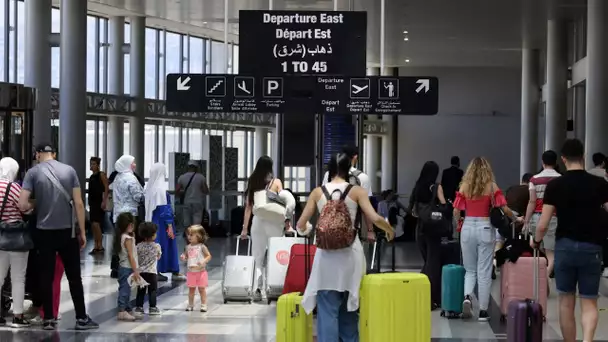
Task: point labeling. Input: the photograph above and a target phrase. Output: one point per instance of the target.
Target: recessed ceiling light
(205, 23)
(407, 60)
(406, 39)
(405, 32)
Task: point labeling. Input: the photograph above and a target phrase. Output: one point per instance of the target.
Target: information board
(275, 43)
(297, 95)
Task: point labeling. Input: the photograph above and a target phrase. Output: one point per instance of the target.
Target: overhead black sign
(299, 95)
(302, 42)
(224, 93)
(386, 95)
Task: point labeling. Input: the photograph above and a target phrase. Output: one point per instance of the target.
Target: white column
(116, 80)
(596, 139)
(137, 87)
(260, 144)
(38, 64)
(580, 111)
(387, 159)
(557, 88)
(73, 92)
(530, 99)
(372, 143)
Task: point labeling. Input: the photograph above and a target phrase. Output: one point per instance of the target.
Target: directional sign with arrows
(319, 94)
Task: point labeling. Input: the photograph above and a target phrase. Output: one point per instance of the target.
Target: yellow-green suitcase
(293, 324)
(395, 307)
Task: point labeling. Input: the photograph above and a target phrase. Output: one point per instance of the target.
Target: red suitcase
(525, 316)
(301, 259)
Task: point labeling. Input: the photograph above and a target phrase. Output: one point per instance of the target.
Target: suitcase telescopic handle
(536, 276)
(238, 241)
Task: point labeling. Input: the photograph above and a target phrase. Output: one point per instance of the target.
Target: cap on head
(45, 148)
(192, 163)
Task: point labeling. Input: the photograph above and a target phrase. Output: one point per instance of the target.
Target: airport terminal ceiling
(439, 32)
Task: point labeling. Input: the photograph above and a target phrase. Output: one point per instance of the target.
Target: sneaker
(203, 307)
(49, 324)
(258, 295)
(139, 310)
(483, 316)
(125, 316)
(160, 277)
(189, 308)
(86, 324)
(137, 314)
(467, 307)
(20, 322)
(178, 276)
(154, 311)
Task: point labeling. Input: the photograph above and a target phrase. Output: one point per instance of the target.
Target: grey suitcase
(237, 279)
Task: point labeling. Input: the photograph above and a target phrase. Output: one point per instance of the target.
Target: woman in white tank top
(336, 275)
(261, 230)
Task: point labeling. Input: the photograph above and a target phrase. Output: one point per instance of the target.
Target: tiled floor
(239, 322)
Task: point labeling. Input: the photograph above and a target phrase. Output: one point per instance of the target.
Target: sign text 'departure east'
(302, 42)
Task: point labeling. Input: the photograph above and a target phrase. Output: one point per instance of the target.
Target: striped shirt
(11, 210)
(538, 183)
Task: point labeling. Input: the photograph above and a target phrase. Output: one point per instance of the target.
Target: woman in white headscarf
(16, 261)
(127, 195)
(158, 211)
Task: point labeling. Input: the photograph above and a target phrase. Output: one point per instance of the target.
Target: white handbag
(273, 207)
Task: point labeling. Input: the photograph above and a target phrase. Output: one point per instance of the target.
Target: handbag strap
(433, 189)
(492, 201)
(7, 193)
(189, 182)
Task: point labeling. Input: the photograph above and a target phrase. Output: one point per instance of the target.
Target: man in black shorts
(580, 200)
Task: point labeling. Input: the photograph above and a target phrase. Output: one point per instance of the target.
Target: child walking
(148, 254)
(124, 242)
(197, 256)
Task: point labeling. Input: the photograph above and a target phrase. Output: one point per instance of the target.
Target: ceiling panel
(440, 32)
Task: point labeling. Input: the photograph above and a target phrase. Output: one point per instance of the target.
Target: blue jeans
(477, 241)
(334, 322)
(124, 290)
(578, 263)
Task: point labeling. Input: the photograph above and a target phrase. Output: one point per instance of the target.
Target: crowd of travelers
(564, 213)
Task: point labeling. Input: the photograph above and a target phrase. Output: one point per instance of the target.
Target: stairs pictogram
(219, 83)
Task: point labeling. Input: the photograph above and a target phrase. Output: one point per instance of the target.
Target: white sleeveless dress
(338, 270)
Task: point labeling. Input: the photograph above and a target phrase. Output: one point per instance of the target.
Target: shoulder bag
(182, 195)
(498, 219)
(14, 236)
(433, 222)
(268, 205)
(64, 193)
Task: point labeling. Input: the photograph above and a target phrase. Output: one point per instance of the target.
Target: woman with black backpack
(427, 202)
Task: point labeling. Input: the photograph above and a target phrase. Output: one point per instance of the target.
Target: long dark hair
(122, 224)
(260, 176)
(339, 166)
(428, 177)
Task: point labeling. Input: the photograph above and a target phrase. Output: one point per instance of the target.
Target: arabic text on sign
(323, 18)
(301, 50)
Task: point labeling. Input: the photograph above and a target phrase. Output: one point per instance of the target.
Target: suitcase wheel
(503, 318)
(225, 301)
(250, 302)
(269, 301)
(442, 314)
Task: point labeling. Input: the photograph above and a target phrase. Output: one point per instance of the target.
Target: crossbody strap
(55, 181)
(189, 182)
(6, 194)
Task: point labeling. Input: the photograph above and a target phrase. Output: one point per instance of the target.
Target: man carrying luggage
(580, 201)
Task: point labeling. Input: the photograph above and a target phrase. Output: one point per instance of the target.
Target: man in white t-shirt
(357, 177)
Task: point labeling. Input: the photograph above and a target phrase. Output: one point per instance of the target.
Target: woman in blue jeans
(477, 194)
(336, 275)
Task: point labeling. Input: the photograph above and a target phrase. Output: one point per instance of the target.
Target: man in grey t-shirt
(57, 191)
(192, 187)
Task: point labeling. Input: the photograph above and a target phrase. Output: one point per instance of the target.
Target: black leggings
(430, 248)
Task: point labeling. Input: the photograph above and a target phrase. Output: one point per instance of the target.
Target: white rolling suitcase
(277, 260)
(237, 279)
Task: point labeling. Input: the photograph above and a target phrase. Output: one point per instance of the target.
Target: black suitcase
(236, 220)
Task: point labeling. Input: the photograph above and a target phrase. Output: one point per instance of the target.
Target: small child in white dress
(197, 257)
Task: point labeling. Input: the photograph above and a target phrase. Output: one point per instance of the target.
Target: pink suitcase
(516, 283)
(56, 287)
